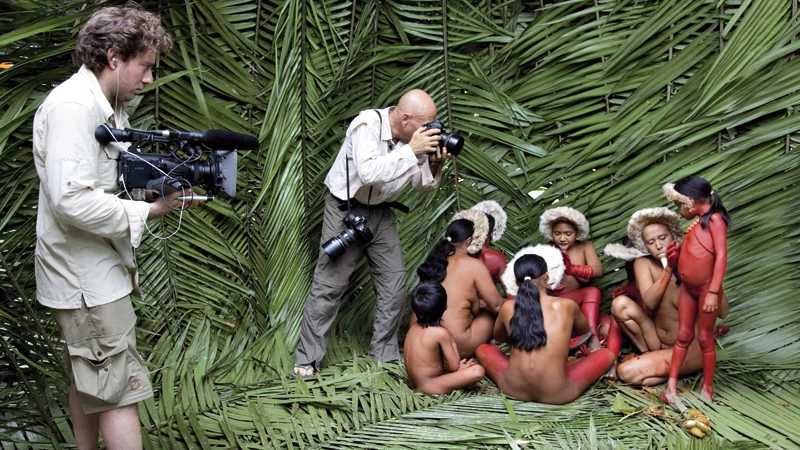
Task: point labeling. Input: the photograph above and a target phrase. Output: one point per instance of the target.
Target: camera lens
(337, 245)
(452, 143)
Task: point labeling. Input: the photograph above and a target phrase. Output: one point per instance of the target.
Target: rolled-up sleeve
(72, 167)
(372, 167)
(424, 180)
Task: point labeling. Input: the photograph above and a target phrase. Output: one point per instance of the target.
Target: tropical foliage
(591, 103)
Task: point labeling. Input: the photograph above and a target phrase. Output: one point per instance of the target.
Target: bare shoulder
(563, 305)
(507, 308)
(474, 265)
(717, 220)
(439, 333)
(588, 245)
(642, 265)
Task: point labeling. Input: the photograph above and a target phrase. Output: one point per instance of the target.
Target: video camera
(215, 173)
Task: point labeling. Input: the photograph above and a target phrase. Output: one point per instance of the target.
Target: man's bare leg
(121, 428)
(480, 332)
(493, 360)
(85, 426)
(449, 382)
(636, 324)
(652, 368)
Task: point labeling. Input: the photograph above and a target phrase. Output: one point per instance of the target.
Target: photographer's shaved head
(414, 110)
(417, 102)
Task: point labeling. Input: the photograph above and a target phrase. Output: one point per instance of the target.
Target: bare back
(540, 374)
(424, 353)
(467, 282)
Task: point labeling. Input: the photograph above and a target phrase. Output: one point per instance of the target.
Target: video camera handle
(215, 139)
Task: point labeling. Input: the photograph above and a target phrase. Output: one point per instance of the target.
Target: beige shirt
(373, 164)
(85, 235)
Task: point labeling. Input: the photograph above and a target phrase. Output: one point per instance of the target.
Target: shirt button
(99, 353)
(106, 369)
(135, 384)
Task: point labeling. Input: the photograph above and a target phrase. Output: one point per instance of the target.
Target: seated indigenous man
(472, 299)
(567, 228)
(431, 356)
(538, 328)
(493, 260)
(651, 230)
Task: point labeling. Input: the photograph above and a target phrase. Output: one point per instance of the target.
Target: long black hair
(429, 301)
(435, 266)
(490, 220)
(527, 325)
(699, 188)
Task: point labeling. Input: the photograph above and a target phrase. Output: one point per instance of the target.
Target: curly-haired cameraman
(85, 268)
(384, 151)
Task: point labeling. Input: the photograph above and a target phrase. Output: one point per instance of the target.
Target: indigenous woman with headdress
(567, 228)
(538, 328)
(493, 260)
(472, 298)
(701, 263)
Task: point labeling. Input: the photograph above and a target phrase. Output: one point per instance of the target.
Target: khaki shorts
(104, 363)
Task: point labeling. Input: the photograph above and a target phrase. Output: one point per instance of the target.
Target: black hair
(527, 325)
(435, 266)
(490, 220)
(699, 188)
(428, 301)
(629, 272)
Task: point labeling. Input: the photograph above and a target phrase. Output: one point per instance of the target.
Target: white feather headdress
(494, 209)
(567, 214)
(555, 267)
(619, 251)
(675, 196)
(645, 217)
(480, 228)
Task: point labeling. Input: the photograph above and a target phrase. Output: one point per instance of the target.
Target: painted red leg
(493, 360)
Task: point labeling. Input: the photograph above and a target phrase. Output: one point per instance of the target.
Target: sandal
(304, 371)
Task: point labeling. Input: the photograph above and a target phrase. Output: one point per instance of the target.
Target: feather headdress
(619, 251)
(567, 214)
(480, 228)
(555, 267)
(675, 196)
(494, 209)
(645, 217)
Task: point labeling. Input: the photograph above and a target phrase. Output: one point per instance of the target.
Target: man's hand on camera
(424, 141)
(162, 206)
(439, 156)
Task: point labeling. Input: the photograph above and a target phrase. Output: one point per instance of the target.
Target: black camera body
(355, 230)
(215, 173)
(450, 142)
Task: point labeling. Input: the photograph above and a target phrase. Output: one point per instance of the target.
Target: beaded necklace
(689, 228)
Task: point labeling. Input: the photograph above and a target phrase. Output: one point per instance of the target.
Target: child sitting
(431, 357)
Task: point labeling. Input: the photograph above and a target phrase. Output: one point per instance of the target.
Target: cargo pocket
(100, 369)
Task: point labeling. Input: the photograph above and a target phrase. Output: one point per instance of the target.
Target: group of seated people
(559, 343)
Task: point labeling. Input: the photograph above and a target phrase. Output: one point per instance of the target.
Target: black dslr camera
(215, 173)
(355, 230)
(450, 142)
